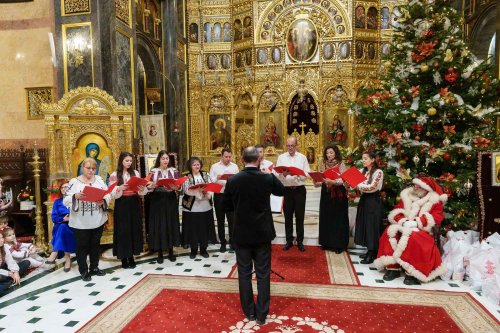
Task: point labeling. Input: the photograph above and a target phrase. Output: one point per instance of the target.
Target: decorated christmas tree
(433, 109)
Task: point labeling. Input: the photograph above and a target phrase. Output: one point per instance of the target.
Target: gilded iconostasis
(264, 70)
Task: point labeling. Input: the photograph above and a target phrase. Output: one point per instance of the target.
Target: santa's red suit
(409, 240)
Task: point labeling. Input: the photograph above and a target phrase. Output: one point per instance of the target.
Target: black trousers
(6, 281)
(220, 214)
(294, 202)
(259, 257)
(88, 242)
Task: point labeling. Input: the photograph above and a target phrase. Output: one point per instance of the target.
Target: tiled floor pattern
(61, 302)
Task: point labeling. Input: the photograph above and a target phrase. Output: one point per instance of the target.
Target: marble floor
(62, 302)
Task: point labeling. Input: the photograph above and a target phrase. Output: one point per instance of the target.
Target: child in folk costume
(197, 212)
(164, 228)
(21, 251)
(127, 232)
(369, 214)
(10, 271)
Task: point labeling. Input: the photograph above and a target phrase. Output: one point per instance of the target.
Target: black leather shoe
(364, 255)
(223, 248)
(260, 321)
(250, 318)
(204, 254)
(301, 247)
(86, 277)
(160, 257)
(192, 255)
(411, 281)
(97, 271)
(391, 274)
(172, 257)
(368, 259)
(131, 263)
(125, 263)
(287, 246)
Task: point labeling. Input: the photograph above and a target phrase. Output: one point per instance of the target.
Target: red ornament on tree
(452, 75)
(446, 156)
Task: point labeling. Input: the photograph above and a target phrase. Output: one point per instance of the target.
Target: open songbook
(351, 176)
(169, 182)
(134, 183)
(95, 194)
(208, 187)
(291, 170)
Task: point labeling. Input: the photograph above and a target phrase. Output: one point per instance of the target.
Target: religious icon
(311, 155)
(207, 33)
(360, 18)
(328, 51)
(237, 29)
(211, 61)
(261, 56)
(93, 150)
(333, 11)
(384, 18)
(495, 168)
(193, 33)
(340, 29)
(248, 57)
(386, 49)
(337, 19)
(220, 137)
(270, 137)
(371, 51)
(336, 132)
(372, 18)
(238, 60)
(227, 32)
(359, 50)
(247, 27)
(217, 32)
(276, 54)
(226, 61)
(301, 40)
(344, 50)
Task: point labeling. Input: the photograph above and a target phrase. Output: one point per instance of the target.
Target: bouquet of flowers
(54, 189)
(25, 195)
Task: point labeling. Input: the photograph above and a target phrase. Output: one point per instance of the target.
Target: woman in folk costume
(409, 242)
(197, 212)
(127, 231)
(164, 228)
(333, 205)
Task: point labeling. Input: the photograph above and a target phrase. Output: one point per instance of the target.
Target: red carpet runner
(298, 267)
(194, 311)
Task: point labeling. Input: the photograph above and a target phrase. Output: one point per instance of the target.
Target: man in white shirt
(265, 166)
(295, 193)
(224, 166)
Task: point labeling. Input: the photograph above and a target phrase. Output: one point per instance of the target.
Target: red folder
(168, 182)
(94, 194)
(353, 177)
(134, 183)
(332, 173)
(292, 170)
(226, 176)
(316, 176)
(208, 187)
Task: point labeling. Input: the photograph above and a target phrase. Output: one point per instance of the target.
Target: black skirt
(127, 232)
(164, 230)
(333, 218)
(369, 221)
(195, 228)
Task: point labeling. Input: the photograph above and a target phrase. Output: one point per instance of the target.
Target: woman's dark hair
(338, 154)
(371, 154)
(158, 158)
(119, 168)
(191, 161)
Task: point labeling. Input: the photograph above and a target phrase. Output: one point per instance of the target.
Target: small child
(21, 251)
(10, 271)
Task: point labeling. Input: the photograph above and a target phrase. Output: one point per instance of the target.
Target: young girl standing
(164, 228)
(197, 212)
(369, 215)
(127, 232)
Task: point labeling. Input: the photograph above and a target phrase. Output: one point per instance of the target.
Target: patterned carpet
(312, 266)
(195, 304)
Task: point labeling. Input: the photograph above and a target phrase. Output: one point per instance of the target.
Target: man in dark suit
(247, 194)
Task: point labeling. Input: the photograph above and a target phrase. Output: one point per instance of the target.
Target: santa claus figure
(408, 242)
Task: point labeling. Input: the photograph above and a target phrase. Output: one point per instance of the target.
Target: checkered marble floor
(62, 302)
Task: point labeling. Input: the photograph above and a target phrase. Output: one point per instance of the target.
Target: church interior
(91, 79)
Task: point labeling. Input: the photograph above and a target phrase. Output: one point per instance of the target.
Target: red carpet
(161, 303)
(310, 266)
(189, 311)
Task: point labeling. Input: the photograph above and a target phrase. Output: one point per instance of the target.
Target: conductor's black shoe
(287, 246)
(223, 248)
(411, 281)
(125, 263)
(250, 318)
(172, 257)
(86, 277)
(131, 263)
(204, 254)
(160, 257)
(260, 321)
(368, 259)
(391, 275)
(192, 255)
(301, 247)
(97, 271)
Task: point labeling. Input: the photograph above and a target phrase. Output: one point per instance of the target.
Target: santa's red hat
(430, 185)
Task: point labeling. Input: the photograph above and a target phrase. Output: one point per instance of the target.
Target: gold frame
(63, 11)
(495, 169)
(30, 114)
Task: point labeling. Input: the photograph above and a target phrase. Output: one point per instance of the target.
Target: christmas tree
(433, 109)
